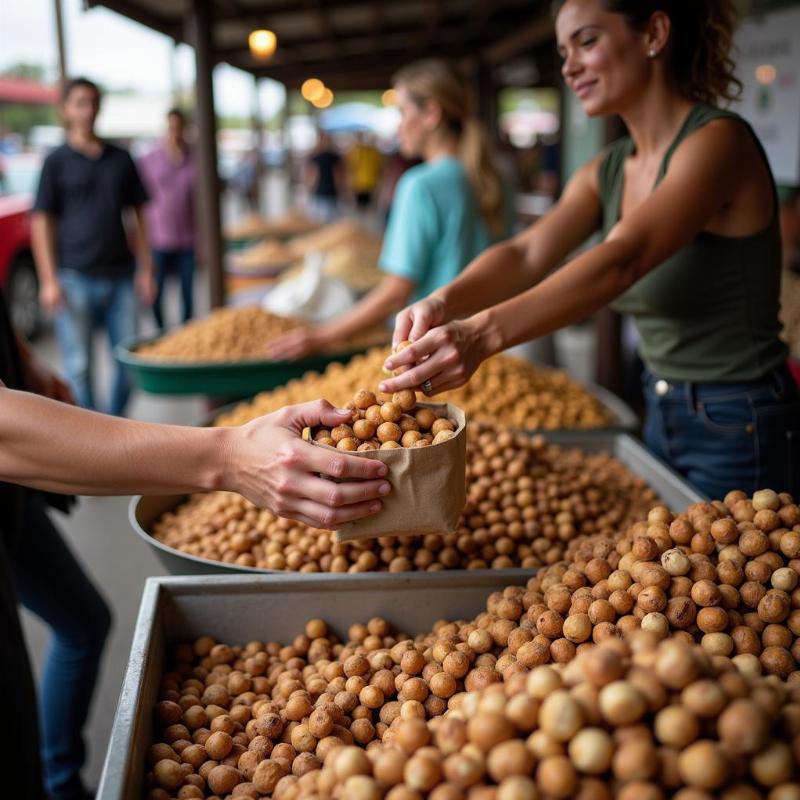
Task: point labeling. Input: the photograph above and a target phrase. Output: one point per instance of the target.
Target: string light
(262, 43)
(312, 89)
(325, 100)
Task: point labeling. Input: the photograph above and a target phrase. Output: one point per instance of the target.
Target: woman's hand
(298, 343)
(414, 322)
(273, 467)
(446, 356)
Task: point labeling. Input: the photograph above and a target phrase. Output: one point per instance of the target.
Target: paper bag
(428, 486)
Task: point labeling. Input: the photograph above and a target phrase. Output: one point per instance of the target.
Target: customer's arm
(55, 447)
(385, 299)
(43, 243)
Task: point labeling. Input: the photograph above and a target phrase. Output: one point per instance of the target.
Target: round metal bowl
(143, 513)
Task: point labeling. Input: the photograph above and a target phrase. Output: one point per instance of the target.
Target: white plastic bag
(310, 296)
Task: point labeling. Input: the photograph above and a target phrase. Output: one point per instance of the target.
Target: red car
(18, 177)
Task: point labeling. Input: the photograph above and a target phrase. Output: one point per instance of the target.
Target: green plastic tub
(235, 379)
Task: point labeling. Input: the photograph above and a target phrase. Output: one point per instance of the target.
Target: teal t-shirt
(435, 228)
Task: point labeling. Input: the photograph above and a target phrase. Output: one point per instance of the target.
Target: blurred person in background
(445, 212)
(52, 447)
(394, 167)
(364, 163)
(244, 180)
(88, 274)
(170, 176)
(325, 179)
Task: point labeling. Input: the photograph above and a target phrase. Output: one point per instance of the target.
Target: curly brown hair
(700, 59)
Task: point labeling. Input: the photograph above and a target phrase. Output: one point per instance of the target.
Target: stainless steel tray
(674, 491)
(237, 608)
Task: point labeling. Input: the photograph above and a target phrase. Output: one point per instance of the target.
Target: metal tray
(223, 379)
(236, 609)
(625, 418)
(673, 490)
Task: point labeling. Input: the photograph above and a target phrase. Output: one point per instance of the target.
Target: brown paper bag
(428, 486)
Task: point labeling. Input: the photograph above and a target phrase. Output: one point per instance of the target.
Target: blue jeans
(51, 583)
(727, 436)
(91, 302)
(173, 261)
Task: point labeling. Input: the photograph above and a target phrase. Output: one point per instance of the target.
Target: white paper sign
(768, 64)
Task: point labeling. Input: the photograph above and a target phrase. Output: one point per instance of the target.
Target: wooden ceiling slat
(375, 42)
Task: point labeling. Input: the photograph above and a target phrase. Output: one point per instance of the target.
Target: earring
(652, 54)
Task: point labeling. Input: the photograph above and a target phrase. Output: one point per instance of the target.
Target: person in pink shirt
(169, 174)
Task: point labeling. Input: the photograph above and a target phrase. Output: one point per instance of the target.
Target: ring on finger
(427, 386)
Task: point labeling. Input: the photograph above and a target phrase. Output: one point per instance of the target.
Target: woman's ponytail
(478, 160)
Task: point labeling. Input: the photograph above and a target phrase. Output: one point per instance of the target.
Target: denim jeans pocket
(732, 416)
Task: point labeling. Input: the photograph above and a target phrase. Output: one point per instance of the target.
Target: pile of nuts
(356, 265)
(722, 573)
(450, 714)
(503, 389)
(526, 500)
(345, 232)
(253, 226)
(236, 334)
(387, 424)
(637, 720)
(269, 254)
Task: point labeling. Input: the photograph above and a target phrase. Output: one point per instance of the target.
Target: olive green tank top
(709, 313)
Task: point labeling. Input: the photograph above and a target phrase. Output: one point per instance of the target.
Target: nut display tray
(238, 608)
(218, 379)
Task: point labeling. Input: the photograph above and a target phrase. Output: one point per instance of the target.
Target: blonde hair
(437, 81)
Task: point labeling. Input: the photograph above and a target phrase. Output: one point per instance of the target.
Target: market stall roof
(352, 44)
(26, 92)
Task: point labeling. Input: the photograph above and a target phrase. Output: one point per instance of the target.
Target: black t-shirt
(326, 177)
(87, 197)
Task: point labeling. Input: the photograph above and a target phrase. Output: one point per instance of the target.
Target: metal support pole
(199, 32)
(258, 143)
(62, 53)
(487, 98)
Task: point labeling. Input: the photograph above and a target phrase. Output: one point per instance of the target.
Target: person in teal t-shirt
(446, 210)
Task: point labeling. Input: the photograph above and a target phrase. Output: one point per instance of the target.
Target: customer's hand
(145, 286)
(273, 467)
(446, 356)
(51, 296)
(298, 343)
(416, 320)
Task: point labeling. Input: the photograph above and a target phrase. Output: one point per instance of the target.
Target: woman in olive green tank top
(691, 249)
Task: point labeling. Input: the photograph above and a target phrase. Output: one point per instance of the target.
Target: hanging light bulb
(262, 43)
(325, 99)
(312, 89)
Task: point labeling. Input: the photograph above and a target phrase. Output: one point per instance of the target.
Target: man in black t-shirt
(87, 272)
